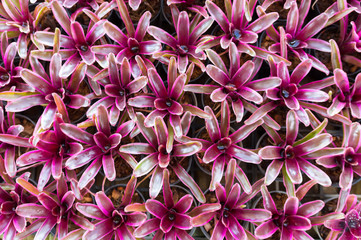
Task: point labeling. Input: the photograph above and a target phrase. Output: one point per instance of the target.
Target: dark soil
(278, 7)
(188, 98)
(87, 198)
(117, 193)
(152, 6)
(279, 114)
(220, 4)
(266, 42)
(324, 4)
(28, 127)
(48, 21)
(122, 168)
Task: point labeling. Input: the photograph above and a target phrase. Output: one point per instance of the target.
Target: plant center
(236, 34)
(134, 49)
(287, 153)
(285, 93)
(171, 217)
(121, 92)
(230, 87)
(84, 48)
(226, 212)
(4, 77)
(117, 220)
(294, 43)
(221, 146)
(183, 49)
(168, 103)
(353, 223)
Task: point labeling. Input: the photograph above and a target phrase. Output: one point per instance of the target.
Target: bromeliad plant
(162, 153)
(167, 99)
(294, 155)
(139, 118)
(171, 217)
(239, 28)
(296, 37)
(184, 45)
(290, 93)
(48, 89)
(223, 147)
(229, 209)
(236, 84)
(52, 149)
(131, 44)
(110, 221)
(118, 89)
(17, 21)
(349, 161)
(11, 196)
(348, 98)
(349, 226)
(76, 46)
(100, 149)
(54, 210)
(294, 219)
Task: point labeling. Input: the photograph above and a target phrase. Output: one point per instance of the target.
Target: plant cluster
(96, 93)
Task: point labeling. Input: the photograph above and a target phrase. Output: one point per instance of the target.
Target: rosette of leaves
(10, 139)
(50, 90)
(235, 84)
(118, 88)
(229, 209)
(18, 22)
(348, 225)
(111, 222)
(298, 36)
(12, 195)
(75, 47)
(171, 219)
(291, 93)
(53, 147)
(54, 210)
(161, 151)
(224, 146)
(294, 156)
(166, 100)
(348, 97)
(238, 27)
(184, 45)
(294, 219)
(100, 147)
(350, 159)
(131, 44)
